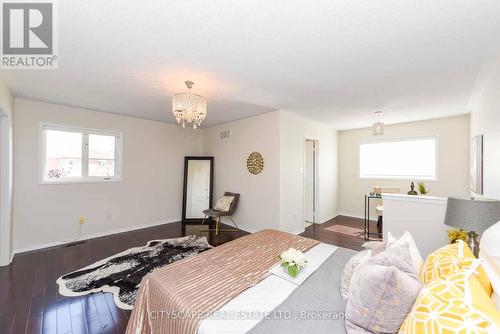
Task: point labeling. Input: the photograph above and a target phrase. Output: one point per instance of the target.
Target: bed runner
(315, 306)
(177, 297)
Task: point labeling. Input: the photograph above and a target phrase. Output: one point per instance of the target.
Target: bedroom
(93, 161)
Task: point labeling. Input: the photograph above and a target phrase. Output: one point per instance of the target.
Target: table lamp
(472, 215)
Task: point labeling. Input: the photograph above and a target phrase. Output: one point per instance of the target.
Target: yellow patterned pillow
(455, 305)
(452, 259)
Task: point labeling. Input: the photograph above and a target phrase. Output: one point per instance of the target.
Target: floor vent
(76, 243)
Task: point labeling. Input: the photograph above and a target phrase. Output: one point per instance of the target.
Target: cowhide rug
(121, 274)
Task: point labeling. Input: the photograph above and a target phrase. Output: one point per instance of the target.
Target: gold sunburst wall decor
(255, 163)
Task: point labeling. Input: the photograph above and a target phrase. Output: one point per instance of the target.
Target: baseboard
(298, 231)
(11, 256)
(353, 215)
(247, 229)
(254, 230)
(95, 235)
(128, 229)
(328, 218)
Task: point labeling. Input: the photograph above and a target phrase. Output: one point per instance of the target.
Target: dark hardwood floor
(318, 232)
(29, 298)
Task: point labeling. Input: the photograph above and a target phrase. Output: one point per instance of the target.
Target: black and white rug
(122, 273)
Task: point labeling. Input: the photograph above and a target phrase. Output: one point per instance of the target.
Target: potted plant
(292, 260)
(455, 235)
(422, 189)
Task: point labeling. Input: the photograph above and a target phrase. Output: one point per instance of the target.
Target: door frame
(184, 188)
(315, 177)
(6, 157)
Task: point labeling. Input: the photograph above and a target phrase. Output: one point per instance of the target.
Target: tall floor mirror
(198, 188)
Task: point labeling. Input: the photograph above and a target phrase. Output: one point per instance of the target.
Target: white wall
(259, 203)
(485, 120)
(6, 151)
(274, 198)
(151, 194)
(310, 182)
(418, 215)
(453, 133)
(294, 129)
(151, 190)
(6, 99)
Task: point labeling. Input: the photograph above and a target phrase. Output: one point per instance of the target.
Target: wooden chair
(217, 215)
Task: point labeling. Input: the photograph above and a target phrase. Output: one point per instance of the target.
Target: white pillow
(224, 203)
(416, 258)
(495, 297)
(489, 252)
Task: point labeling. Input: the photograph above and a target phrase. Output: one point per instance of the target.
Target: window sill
(400, 178)
(82, 181)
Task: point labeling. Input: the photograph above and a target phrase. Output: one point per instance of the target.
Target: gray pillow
(349, 269)
(398, 256)
(382, 292)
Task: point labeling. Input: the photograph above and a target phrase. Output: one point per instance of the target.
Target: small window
(79, 155)
(63, 158)
(102, 151)
(411, 159)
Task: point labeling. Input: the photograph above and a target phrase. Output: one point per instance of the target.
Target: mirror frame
(184, 188)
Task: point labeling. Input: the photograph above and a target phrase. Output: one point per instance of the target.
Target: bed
(237, 288)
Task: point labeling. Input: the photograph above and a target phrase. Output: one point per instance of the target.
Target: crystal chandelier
(189, 108)
(378, 128)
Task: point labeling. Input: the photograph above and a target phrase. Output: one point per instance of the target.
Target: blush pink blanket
(176, 298)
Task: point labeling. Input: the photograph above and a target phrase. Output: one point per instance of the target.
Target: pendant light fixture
(189, 108)
(378, 127)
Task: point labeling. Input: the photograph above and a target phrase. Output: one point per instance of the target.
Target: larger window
(413, 159)
(79, 155)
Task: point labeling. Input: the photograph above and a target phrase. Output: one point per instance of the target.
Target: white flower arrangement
(292, 260)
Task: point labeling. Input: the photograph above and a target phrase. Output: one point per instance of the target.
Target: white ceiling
(332, 61)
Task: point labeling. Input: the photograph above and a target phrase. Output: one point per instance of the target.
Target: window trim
(399, 139)
(85, 132)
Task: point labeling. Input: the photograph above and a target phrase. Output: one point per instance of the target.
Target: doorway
(311, 147)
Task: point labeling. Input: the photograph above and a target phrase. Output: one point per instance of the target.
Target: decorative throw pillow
(416, 258)
(457, 304)
(349, 269)
(452, 259)
(489, 252)
(375, 246)
(399, 257)
(224, 203)
(382, 292)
